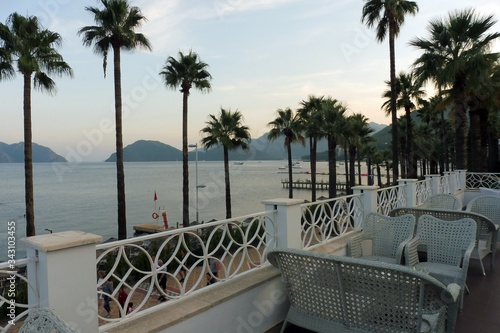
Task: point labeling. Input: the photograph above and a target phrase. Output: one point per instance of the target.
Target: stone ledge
(188, 307)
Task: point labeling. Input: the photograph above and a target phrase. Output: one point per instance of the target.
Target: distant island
(14, 153)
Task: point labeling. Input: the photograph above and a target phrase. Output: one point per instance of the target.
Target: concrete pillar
(462, 182)
(287, 221)
(65, 276)
(435, 183)
(452, 181)
(368, 198)
(410, 190)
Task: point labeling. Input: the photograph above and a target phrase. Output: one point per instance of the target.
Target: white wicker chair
(443, 201)
(486, 232)
(487, 205)
(44, 320)
(388, 236)
(448, 247)
(331, 293)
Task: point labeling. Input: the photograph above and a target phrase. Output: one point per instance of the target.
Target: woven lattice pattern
(331, 293)
(448, 246)
(486, 232)
(388, 236)
(44, 320)
(486, 205)
(443, 201)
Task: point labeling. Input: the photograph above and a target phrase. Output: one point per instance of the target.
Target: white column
(462, 179)
(435, 183)
(287, 221)
(452, 181)
(410, 190)
(65, 276)
(369, 197)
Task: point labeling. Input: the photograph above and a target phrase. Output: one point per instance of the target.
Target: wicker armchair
(486, 232)
(448, 246)
(487, 205)
(329, 293)
(44, 320)
(388, 236)
(442, 201)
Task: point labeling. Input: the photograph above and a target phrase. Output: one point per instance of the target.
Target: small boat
(238, 163)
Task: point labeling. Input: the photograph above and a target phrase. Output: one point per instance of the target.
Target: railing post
(435, 183)
(410, 190)
(65, 276)
(452, 181)
(369, 197)
(462, 176)
(287, 221)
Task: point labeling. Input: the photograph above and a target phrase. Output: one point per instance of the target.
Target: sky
(263, 55)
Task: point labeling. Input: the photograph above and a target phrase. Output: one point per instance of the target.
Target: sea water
(82, 196)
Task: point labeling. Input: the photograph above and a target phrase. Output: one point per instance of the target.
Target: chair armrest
(454, 290)
(355, 245)
(411, 252)
(401, 248)
(467, 255)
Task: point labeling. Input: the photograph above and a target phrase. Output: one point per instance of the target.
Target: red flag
(155, 197)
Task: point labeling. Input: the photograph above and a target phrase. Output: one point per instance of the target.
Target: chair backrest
(443, 201)
(484, 224)
(360, 294)
(44, 320)
(487, 205)
(387, 233)
(446, 241)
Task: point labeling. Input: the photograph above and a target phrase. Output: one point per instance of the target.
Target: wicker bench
(331, 293)
(486, 232)
(44, 320)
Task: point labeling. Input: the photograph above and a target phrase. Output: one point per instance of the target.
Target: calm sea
(82, 196)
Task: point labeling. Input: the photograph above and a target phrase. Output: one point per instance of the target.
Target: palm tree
(226, 130)
(34, 50)
(409, 95)
(186, 72)
(333, 126)
(310, 114)
(359, 136)
(389, 16)
(115, 29)
(288, 125)
(456, 55)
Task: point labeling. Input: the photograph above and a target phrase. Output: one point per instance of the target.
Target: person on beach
(122, 297)
(182, 272)
(107, 287)
(214, 269)
(130, 307)
(162, 281)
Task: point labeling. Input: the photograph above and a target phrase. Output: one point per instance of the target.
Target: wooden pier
(307, 185)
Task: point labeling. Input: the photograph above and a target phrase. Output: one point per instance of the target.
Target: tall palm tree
(455, 55)
(34, 50)
(359, 136)
(115, 29)
(389, 16)
(287, 124)
(333, 126)
(409, 95)
(310, 114)
(186, 72)
(226, 130)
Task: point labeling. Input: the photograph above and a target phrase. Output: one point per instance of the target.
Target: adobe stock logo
(263, 309)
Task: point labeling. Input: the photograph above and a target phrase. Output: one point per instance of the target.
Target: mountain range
(148, 151)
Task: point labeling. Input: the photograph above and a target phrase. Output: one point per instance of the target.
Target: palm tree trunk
(28, 159)
(185, 165)
(358, 159)
(332, 168)
(475, 141)
(352, 168)
(460, 126)
(228, 186)
(410, 163)
(379, 176)
(289, 153)
(394, 115)
(120, 174)
(313, 142)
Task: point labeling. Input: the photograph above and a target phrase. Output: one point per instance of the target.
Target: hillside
(148, 151)
(14, 153)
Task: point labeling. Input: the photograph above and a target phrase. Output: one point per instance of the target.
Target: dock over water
(307, 185)
(148, 228)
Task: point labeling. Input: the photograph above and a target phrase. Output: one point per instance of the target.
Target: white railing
(323, 220)
(423, 191)
(14, 293)
(184, 256)
(482, 179)
(389, 198)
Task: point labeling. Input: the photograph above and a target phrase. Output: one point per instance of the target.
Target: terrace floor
(481, 307)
